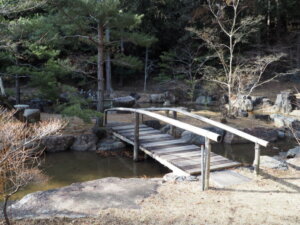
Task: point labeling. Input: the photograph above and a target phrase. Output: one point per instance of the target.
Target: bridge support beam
(173, 129)
(136, 136)
(207, 162)
(256, 158)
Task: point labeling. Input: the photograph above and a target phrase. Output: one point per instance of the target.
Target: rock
(272, 163)
(167, 103)
(295, 113)
(161, 98)
(281, 134)
(204, 100)
(64, 97)
(58, 143)
(217, 130)
(293, 153)
(262, 117)
(242, 113)
(127, 101)
(282, 121)
(192, 138)
(244, 103)
(136, 96)
(32, 115)
(153, 123)
(85, 142)
(167, 130)
(267, 103)
(171, 177)
(295, 163)
(257, 100)
(284, 102)
(85, 199)
(157, 98)
(99, 132)
(110, 145)
(267, 134)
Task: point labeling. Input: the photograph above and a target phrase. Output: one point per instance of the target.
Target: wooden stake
(256, 158)
(105, 118)
(207, 162)
(202, 169)
(173, 129)
(136, 136)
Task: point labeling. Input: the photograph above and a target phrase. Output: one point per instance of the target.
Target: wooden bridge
(176, 154)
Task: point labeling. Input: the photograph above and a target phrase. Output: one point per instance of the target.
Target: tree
(92, 20)
(237, 75)
(20, 153)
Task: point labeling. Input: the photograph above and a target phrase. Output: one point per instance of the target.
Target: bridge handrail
(232, 130)
(196, 130)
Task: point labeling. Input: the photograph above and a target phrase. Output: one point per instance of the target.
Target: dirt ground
(271, 198)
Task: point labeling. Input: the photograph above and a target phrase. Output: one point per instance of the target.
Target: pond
(70, 167)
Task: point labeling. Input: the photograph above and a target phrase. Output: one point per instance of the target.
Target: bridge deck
(176, 154)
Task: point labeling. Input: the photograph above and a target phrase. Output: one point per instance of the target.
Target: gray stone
(157, 98)
(227, 178)
(32, 115)
(244, 103)
(171, 177)
(57, 143)
(85, 142)
(204, 100)
(153, 123)
(110, 145)
(283, 102)
(267, 103)
(272, 163)
(294, 163)
(294, 152)
(85, 199)
(99, 132)
(192, 138)
(167, 103)
(282, 121)
(127, 101)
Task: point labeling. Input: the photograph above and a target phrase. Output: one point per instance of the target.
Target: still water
(66, 168)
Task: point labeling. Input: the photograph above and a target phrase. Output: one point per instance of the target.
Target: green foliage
(128, 61)
(77, 110)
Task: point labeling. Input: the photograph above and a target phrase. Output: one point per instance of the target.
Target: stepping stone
(227, 178)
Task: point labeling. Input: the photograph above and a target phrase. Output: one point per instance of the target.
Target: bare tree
(20, 153)
(237, 75)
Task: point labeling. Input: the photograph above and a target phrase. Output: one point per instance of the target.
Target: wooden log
(256, 158)
(136, 136)
(173, 129)
(207, 162)
(202, 169)
(105, 118)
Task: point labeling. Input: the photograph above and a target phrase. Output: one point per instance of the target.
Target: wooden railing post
(207, 162)
(202, 168)
(136, 136)
(256, 158)
(105, 118)
(173, 129)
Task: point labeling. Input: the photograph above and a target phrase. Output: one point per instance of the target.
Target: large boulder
(243, 102)
(110, 145)
(99, 132)
(127, 101)
(272, 163)
(293, 153)
(285, 121)
(284, 102)
(267, 134)
(163, 97)
(85, 142)
(204, 100)
(57, 143)
(153, 123)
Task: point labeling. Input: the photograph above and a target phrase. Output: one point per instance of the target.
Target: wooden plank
(185, 162)
(176, 149)
(141, 133)
(127, 127)
(132, 129)
(154, 136)
(164, 143)
(197, 170)
(157, 140)
(166, 146)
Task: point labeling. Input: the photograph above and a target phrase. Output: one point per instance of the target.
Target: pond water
(70, 167)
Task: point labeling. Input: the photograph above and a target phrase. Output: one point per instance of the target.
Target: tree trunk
(100, 77)
(2, 89)
(298, 51)
(18, 94)
(121, 81)
(268, 21)
(109, 88)
(6, 198)
(146, 68)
